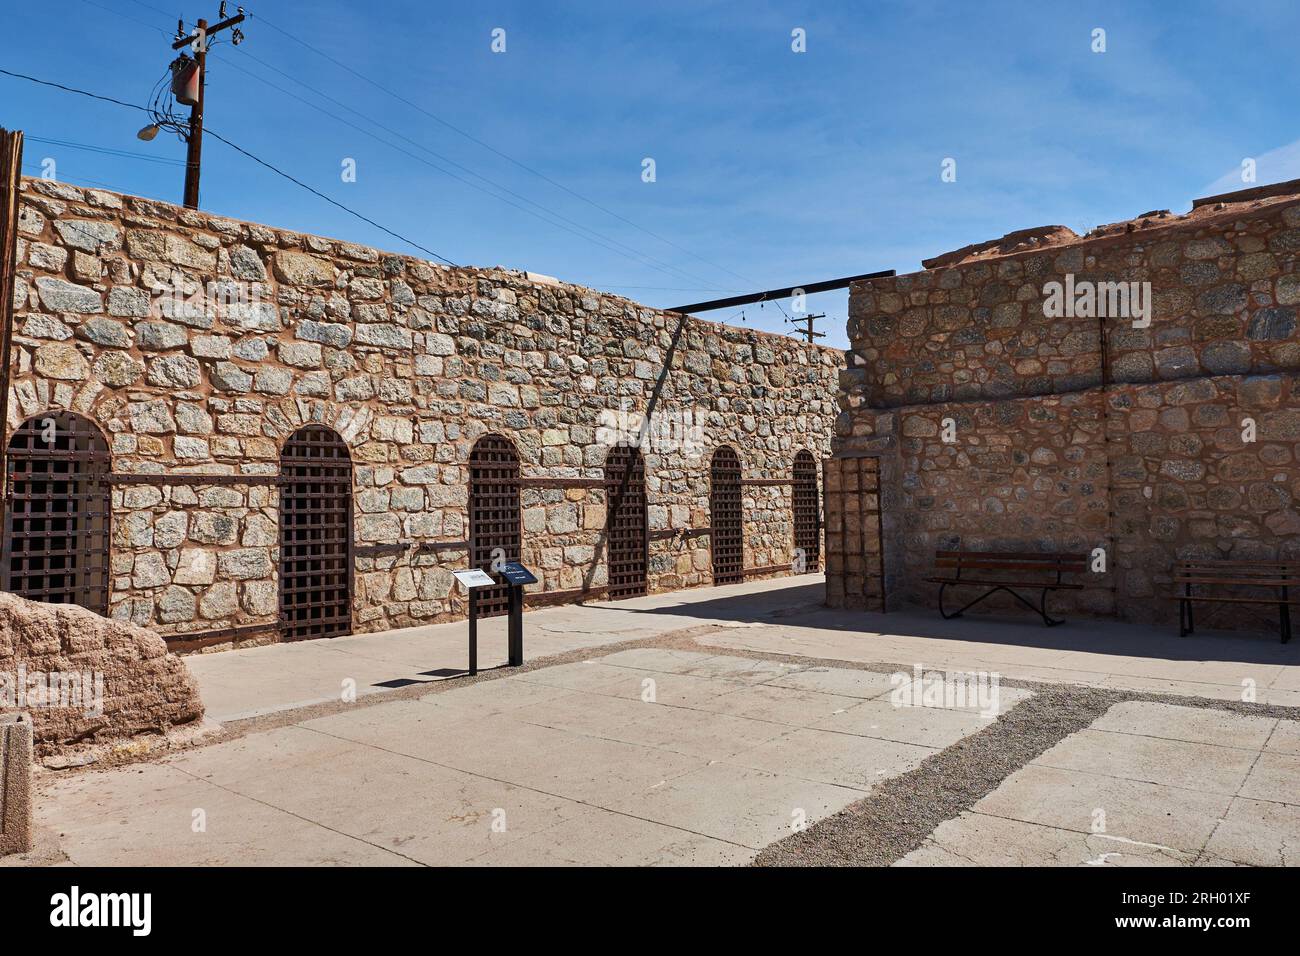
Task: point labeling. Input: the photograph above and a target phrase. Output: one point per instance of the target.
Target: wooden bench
(1006, 571)
(1281, 578)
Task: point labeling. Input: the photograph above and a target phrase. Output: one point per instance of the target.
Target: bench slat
(1243, 582)
(1017, 556)
(1273, 602)
(1212, 563)
(1010, 566)
(1050, 585)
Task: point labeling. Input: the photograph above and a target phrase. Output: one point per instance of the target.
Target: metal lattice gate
(625, 521)
(315, 535)
(855, 542)
(807, 511)
(493, 515)
(57, 512)
(725, 517)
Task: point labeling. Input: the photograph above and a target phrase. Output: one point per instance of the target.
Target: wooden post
(194, 148)
(11, 171)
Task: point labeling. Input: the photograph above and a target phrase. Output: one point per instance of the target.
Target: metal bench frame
(1058, 563)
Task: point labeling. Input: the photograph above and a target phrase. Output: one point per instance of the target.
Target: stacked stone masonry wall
(410, 363)
(1151, 466)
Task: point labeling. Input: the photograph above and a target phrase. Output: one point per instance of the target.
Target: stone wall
(144, 689)
(1004, 428)
(199, 344)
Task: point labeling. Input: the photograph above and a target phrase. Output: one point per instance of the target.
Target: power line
(604, 241)
(497, 152)
(335, 202)
(38, 173)
(578, 229)
(108, 151)
(239, 149)
(69, 89)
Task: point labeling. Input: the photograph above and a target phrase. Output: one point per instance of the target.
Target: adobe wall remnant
(199, 344)
(85, 679)
(1001, 427)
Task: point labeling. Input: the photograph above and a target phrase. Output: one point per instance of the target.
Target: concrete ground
(729, 723)
(641, 756)
(261, 680)
(1146, 785)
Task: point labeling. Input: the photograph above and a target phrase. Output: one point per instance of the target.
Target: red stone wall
(1075, 433)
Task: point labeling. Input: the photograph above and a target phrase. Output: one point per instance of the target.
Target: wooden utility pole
(11, 171)
(808, 333)
(198, 41)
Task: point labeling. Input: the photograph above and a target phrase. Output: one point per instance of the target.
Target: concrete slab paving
(568, 764)
(1274, 777)
(842, 759)
(1139, 811)
(975, 839)
(740, 805)
(1151, 719)
(1257, 833)
(148, 817)
(931, 727)
(672, 755)
(782, 705)
(1173, 763)
(253, 681)
(1285, 738)
(1148, 783)
(598, 837)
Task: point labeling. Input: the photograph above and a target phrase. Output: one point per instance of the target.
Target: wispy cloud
(1276, 166)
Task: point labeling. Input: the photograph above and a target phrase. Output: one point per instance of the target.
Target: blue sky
(772, 167)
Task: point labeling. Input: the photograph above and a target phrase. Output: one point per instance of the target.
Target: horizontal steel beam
(770, 294)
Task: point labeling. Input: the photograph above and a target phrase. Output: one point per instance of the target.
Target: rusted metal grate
(725, 517)
(493, 515)
(855, 549)
(625, 521)
(807, 511)
(57, 512)
(315, 535)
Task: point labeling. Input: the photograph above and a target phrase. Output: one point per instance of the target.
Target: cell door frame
(739, 574)
(349, 533)
(809, 480)
(96, 453)
(634, 454)
(495, 597)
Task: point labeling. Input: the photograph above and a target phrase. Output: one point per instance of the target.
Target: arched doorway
(625, 521)
(57, 512)
(725, 517)
(807, 512)
(493, 514)
(315, 535)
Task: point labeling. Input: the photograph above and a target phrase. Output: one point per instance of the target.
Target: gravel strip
(900, 812)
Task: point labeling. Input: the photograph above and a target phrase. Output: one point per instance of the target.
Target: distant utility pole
(808, 333)
(188, 81)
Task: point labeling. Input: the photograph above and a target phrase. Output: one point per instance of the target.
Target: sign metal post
(516, 576)
(472, 580)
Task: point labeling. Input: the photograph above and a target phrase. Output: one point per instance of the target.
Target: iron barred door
(625, 521)
(315, 535)
(57, 512)
(855, 551)
(725, 517)
(493, 515)
(807, 511)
